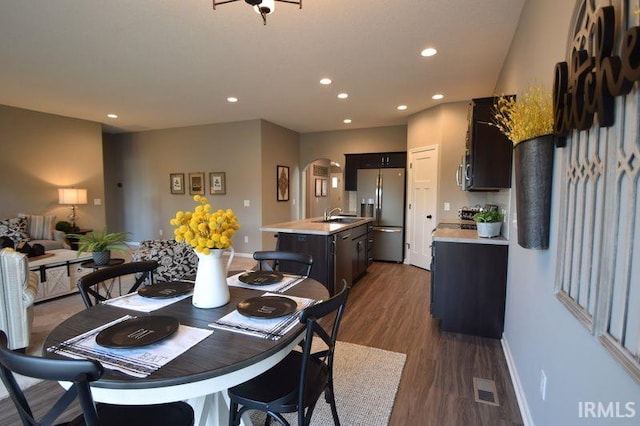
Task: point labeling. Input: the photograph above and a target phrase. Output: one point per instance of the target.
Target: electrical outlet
(447, 207)
(543, 385)
(246, 239)
(160, 232)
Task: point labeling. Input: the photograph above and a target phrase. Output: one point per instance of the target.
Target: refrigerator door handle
(379, 200)
(377, 229)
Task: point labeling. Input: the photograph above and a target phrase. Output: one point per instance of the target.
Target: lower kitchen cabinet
(320, 247)
(468, 287)
(360, 255)
(344, 254)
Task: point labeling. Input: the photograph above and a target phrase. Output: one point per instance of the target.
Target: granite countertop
(465, 236)
(315, 226)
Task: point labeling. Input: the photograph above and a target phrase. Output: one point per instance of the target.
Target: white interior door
(423, 200)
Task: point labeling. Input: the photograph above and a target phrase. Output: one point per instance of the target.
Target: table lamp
(72, 197)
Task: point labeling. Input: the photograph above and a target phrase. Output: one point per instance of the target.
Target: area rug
(366, 381)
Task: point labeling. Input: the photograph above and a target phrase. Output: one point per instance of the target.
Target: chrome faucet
(328, 213)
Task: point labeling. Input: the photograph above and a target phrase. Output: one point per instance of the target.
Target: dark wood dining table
(200, 375)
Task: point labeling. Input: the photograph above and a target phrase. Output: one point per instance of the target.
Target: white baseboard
(517, 385)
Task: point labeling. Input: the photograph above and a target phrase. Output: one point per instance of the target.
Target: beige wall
(42, 152)
(280, 147)
(445, 126)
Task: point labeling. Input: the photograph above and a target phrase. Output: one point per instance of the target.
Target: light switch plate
(247, 203)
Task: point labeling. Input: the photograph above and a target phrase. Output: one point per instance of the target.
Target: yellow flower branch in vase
(526, 116)
(204, 229)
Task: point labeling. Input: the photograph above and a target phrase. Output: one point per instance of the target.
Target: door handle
(429, 217)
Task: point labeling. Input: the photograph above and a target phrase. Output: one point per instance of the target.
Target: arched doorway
(322, 187)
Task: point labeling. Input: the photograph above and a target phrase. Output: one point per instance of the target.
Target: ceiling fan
(262, 7)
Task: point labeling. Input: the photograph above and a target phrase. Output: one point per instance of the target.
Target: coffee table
(58, 274)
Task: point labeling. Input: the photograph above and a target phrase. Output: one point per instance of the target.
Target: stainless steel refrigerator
(381, 195)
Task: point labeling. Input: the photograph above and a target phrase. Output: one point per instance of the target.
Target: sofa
(34, 229)
(18, 289)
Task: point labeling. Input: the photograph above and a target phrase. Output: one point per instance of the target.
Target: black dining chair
(296, 382)
(80, 373)
(89, 284)
(284, 261)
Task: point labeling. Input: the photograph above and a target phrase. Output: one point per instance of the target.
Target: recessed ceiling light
(112, 115)
(402, 107)
(232, 99)
(437, 96)
(430, 51)
(343, 95)
(347, 121)
(325, 81)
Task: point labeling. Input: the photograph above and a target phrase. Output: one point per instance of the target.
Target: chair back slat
(284, 261)
(88, 284)
(79, 372)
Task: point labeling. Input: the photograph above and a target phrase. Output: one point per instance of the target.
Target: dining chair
(89, 284)
(284, 261)
(296, 382)
(80, 373)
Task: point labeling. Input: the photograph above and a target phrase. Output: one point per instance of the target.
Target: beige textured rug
(366, 381)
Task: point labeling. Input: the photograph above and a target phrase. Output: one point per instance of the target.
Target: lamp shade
(72, 196)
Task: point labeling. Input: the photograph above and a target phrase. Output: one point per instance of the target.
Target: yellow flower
(528, 116)
(204, 229)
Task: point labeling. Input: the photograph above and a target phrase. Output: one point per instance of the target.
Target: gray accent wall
(540, 333)
(40, 153)
(139, 165)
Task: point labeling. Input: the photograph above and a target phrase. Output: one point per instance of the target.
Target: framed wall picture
(318, 192)
(196, 183)
(176, 183)
(282, 183)
(217, 183)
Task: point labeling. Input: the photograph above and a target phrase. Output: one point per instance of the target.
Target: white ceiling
(170, 63)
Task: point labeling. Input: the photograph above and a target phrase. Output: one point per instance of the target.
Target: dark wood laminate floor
(389, 309)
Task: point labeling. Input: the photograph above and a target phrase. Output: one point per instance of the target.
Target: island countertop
(315, 226)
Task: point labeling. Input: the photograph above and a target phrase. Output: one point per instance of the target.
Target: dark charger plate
(140, 331)
(267, 307)
(166, 290)
(261, 277)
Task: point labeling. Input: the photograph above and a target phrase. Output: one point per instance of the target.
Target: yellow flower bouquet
(528, 116)
(204, 229)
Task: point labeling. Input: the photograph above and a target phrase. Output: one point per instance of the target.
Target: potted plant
(489, 223)
(528, 122)
(100, 244)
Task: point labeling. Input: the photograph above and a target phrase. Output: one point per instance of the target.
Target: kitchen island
(341, 247)
(468, 281)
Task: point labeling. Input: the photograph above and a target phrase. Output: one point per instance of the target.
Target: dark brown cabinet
(488, 152)
(337, 256)
(321, 247)
(378, 160)
(360, 256)
(468, 287)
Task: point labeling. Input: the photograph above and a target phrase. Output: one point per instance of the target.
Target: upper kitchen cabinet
(379, 160)
(488, 152)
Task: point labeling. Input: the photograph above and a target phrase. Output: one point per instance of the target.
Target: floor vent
(484, 391)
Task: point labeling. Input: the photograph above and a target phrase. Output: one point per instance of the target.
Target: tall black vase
(534, 172)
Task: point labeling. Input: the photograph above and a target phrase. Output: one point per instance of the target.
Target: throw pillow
(15, 228)
(40, 227)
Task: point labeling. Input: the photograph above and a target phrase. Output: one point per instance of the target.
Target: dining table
(201, 374)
